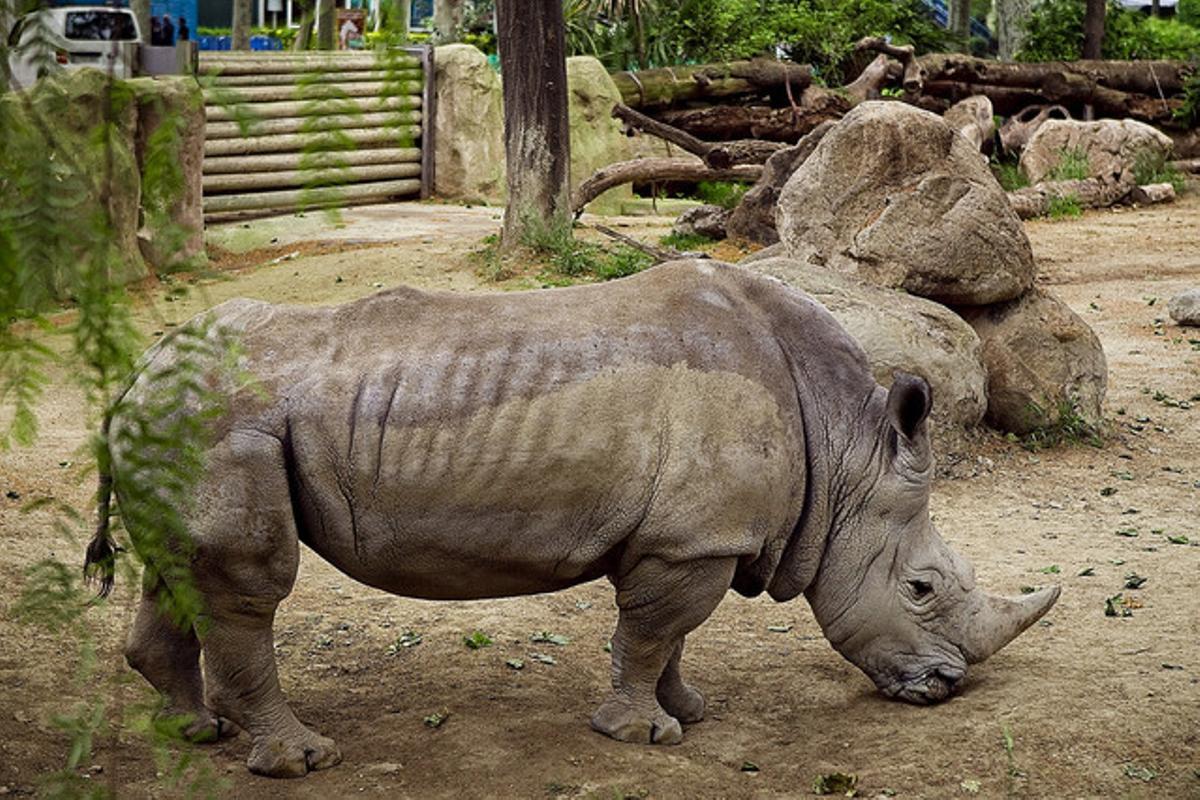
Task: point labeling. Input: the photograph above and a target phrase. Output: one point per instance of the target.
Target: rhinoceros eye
(920, 589)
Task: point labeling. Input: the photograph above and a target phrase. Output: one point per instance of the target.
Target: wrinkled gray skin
(694, 428)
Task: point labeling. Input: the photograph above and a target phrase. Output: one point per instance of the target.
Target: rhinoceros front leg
(659, 603)
(681, 701)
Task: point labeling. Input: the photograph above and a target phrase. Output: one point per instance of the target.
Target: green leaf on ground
(1140, 773)
(543, 637)
(1115, 606)
(477, 640)
(436, 719)
(404, 641)
(749, 766)
(1180, 539)
(970, 786)
(1050, 570)
(835, 783)
(515, 663)
(1135, 581)
(1129, 533)
(1108, 491)
(1087, 572)
(542, 658)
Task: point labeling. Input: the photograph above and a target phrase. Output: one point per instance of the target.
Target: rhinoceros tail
(100, 563)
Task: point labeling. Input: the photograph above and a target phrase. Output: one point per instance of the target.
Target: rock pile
(896, 224)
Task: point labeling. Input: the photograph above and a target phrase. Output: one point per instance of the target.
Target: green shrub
(1151, 166)
(1009, 175)
(685, 241)
(1072, 166)
(1188, 12)
(1055, 32)
(721, 193)
(1064, 207)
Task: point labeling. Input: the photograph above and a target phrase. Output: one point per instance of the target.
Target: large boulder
(597, 139)
(901, 332)
(59, 154)
(469, 126)
(893, 195)
(972, 118)
(170, 154)
(1044, 365)
(754, 217)
(1112, 148)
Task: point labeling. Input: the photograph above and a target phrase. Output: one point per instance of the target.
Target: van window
(107, 26)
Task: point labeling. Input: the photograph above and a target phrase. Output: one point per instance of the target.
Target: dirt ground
(1089, 705)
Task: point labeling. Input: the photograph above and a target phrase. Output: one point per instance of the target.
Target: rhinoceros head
(891, 595)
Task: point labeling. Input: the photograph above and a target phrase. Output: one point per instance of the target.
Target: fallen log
(720, 123)
(1036, 201)
(718, 156)
(1153, 78)
(914, 74)
(1072, 91)
(666, 86)
(651, 170)
(1191, 165)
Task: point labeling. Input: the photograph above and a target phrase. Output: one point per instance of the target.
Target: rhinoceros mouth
(932, 686)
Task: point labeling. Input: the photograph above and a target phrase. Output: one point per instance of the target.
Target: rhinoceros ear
(908, 404)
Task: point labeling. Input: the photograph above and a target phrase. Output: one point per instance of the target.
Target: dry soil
(1083, 705)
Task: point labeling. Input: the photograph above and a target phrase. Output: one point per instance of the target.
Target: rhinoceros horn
(995, 621)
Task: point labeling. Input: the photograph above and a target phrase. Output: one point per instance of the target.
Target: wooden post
(536, 131)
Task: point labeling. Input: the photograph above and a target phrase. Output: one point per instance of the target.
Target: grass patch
(1064, 207)
(686, 241)
(721, 193)
(1072, 166)
(1009, 175)
(1069, 427)
(1152, 167)
(557, 258)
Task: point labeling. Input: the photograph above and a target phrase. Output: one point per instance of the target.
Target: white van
(101, 37)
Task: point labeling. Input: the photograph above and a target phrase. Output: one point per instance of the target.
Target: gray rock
(1184, 307)
(972, 118)
(1042, 362)
(776, 250)
(754, 217)
(1112, 147)
(597, 139)
(901, 332)
(707, 221)
(894, 196)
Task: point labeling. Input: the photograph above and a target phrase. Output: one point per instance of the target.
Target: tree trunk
(304, 34)
(1034, 201)
(537, 142)
(140, 8)
(1139, 77)
(960, 19)
(1011, 18)
(241, 25)
(447, 19)
(719, 156)
(326, 19)
(1093, 28)
(650, 170)
(400, 26)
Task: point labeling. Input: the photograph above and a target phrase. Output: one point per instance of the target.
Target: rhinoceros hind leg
(246, 563)
(169, 658)
(659, 604)
(681, 701)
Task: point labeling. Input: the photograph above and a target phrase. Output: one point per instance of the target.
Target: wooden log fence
(295, 130)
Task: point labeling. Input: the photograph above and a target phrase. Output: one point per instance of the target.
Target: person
(348, 32)
(183, 29)
(168, 31)
(155, 31)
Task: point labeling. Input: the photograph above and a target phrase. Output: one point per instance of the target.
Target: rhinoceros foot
(625, 721)
(292, 756)
(683, 702)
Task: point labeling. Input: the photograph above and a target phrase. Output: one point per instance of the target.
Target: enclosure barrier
(289, 131)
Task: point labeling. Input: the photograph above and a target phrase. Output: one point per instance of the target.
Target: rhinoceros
(682, 432)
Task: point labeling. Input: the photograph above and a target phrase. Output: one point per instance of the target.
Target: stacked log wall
(296, 130)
